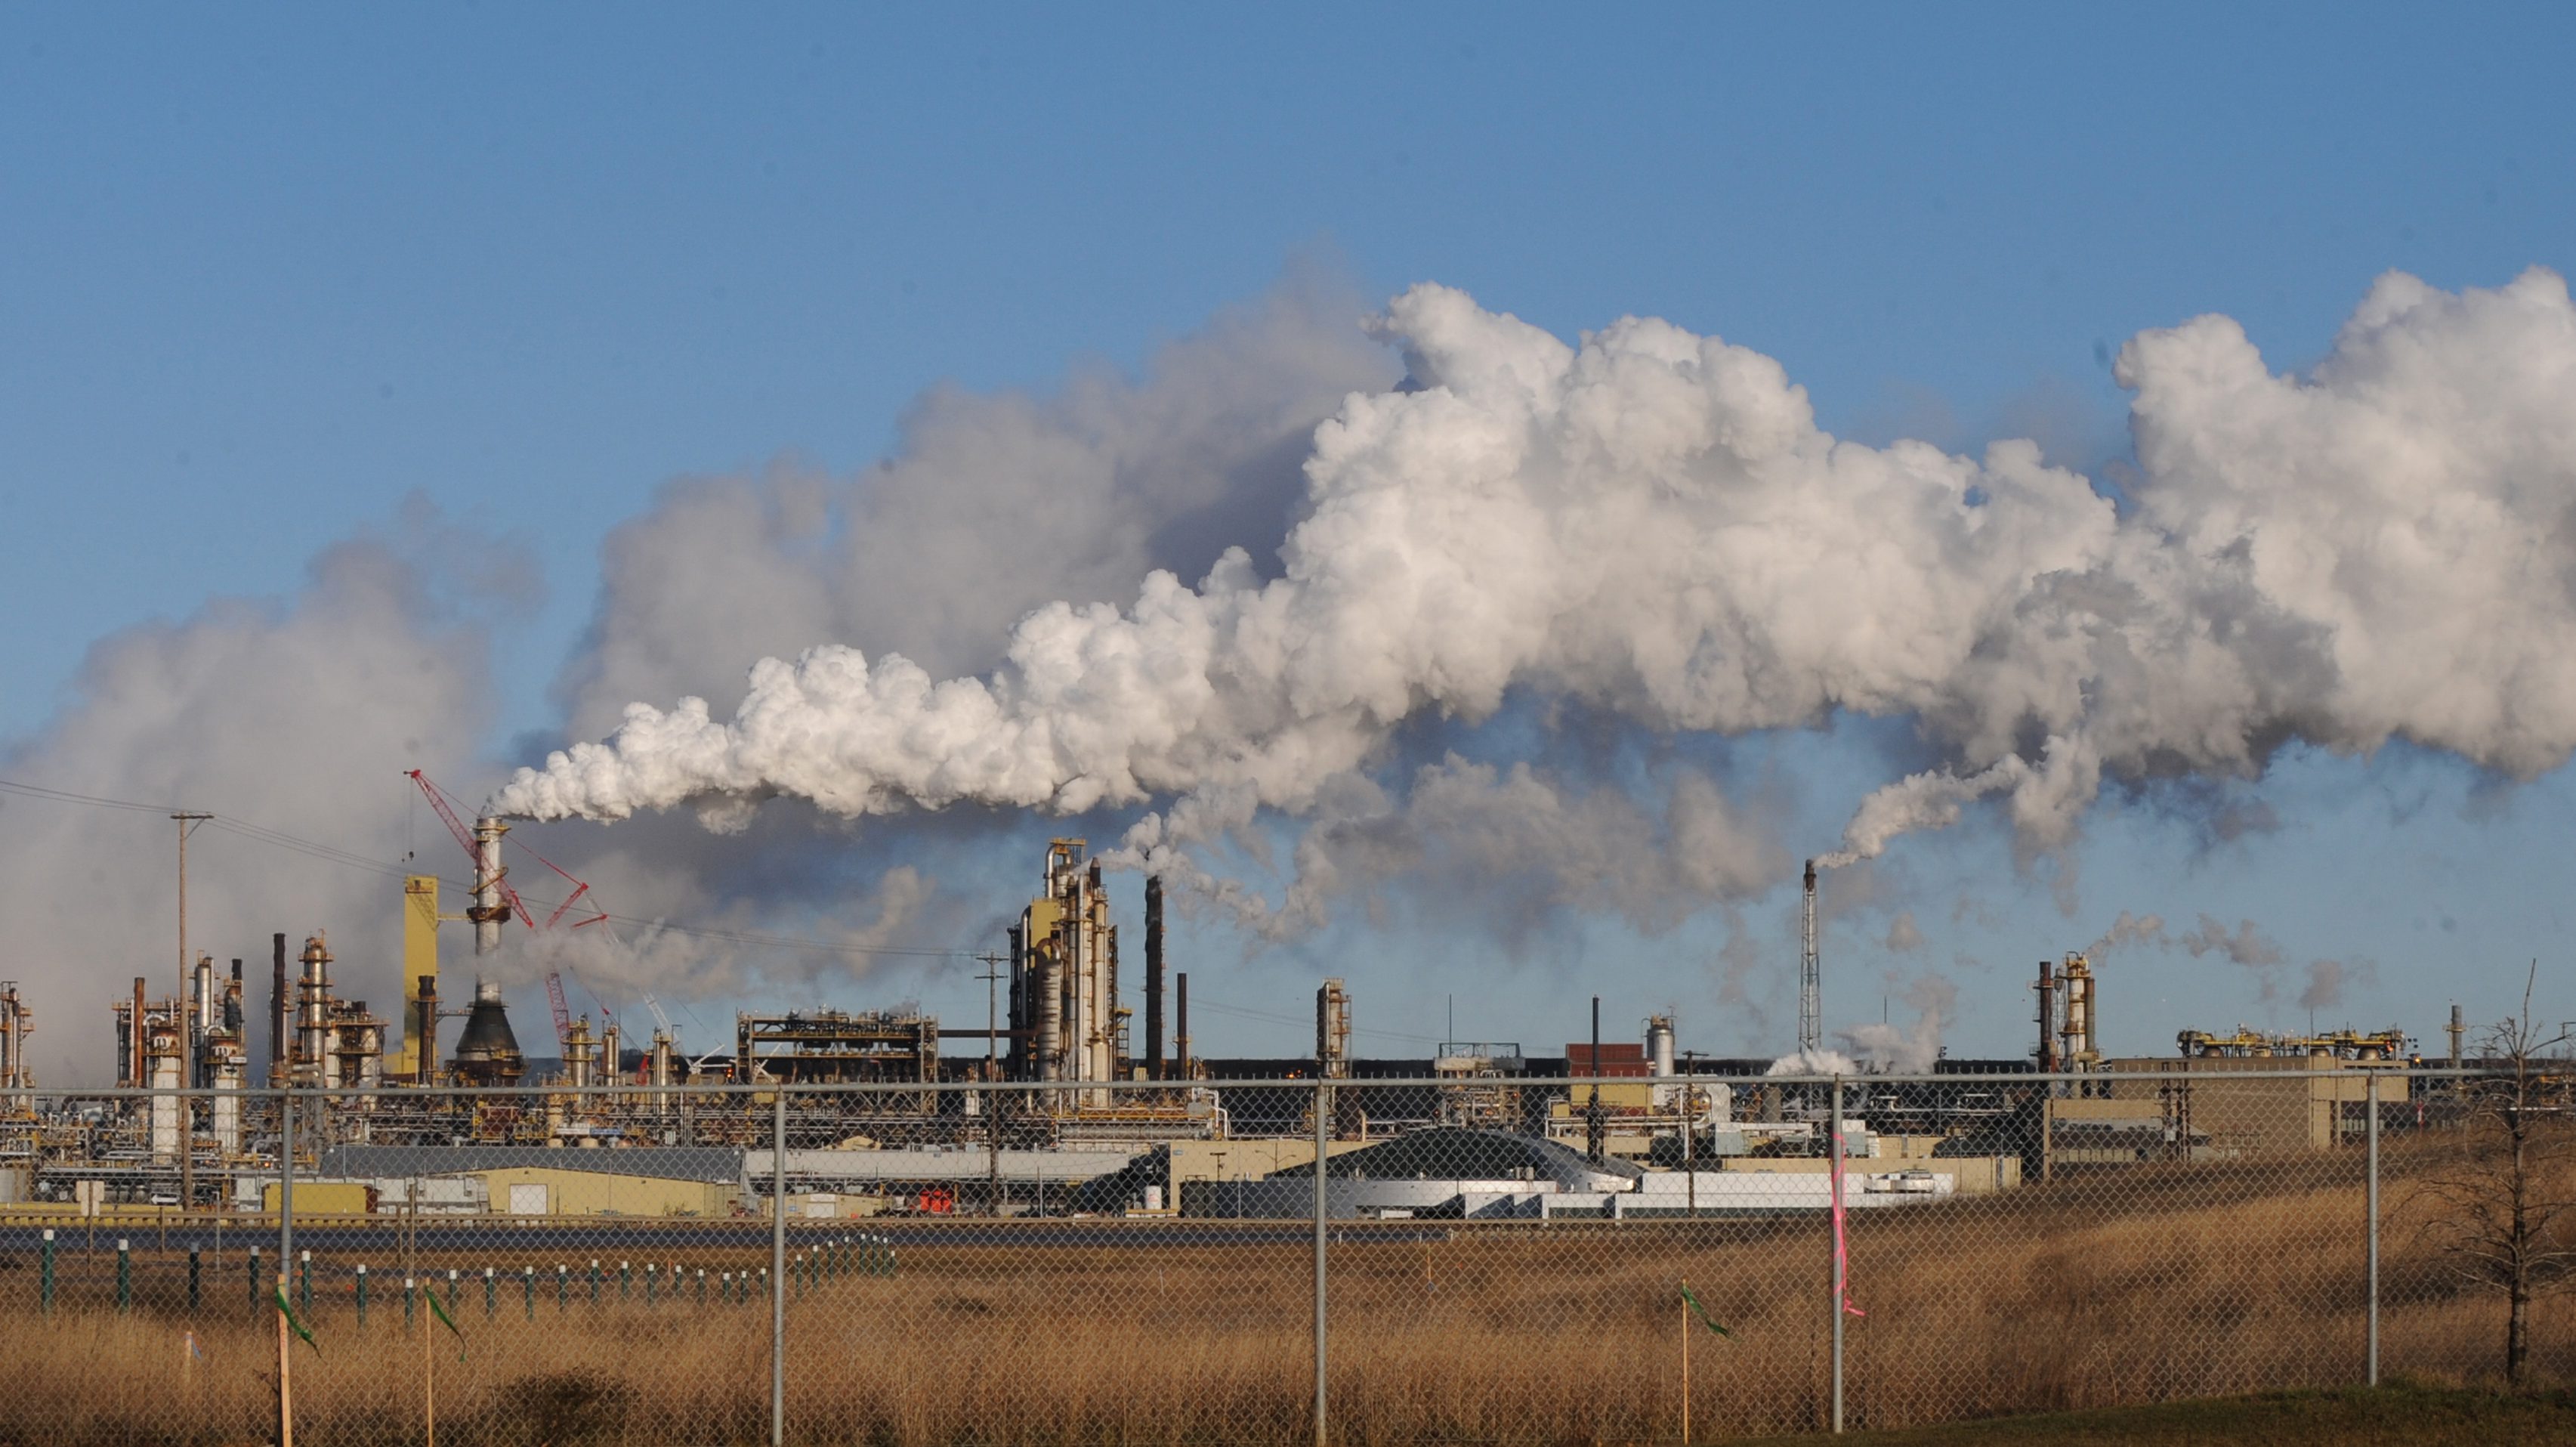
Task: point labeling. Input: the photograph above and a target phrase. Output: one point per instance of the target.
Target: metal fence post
(1833, 1234)
(1323, 1138)
(2371, 1195)
(778, 1269)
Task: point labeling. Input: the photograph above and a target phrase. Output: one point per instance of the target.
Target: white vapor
(1651, 524)
(295, 716)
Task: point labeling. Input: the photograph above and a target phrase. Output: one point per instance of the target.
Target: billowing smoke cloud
(2131, 931)
(1526, 844)
(1650, 523)
(726, 950)
(2245, 945)
(1905, 1049)
(1903, 936)
(2322, 982)
(296, 716)
(993, 506)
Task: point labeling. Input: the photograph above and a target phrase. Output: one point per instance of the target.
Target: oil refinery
(1057, 1105)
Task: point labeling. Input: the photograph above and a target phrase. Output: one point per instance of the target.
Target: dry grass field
(2152, 1284)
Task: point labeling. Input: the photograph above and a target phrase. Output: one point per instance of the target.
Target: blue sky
(267, 272)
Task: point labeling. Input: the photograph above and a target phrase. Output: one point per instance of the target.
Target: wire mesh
(1504, 1259)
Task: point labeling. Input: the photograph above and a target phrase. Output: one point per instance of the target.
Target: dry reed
(2146, 1284)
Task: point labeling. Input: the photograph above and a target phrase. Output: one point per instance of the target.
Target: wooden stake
(428, 1383)
(285, 1386)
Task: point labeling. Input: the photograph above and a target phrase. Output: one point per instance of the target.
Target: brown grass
(2151, 1284)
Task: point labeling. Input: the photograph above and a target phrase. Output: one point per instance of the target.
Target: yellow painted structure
(419, 957)
(1248, 1160)
(1970, 1175)
(323, 1198)
(599, 1193)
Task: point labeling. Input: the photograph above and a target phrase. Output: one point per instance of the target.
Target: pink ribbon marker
(1842, 1248)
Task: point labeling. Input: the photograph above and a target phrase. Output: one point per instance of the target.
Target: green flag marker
(1702, 1312)
(436, 1310)
(292, 1324)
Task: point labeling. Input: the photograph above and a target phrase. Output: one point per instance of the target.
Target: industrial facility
(1055, 1106)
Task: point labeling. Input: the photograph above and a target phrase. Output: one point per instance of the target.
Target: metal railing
(1486, 1258)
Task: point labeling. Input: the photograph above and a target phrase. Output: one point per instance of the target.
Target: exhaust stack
(277, 1011)
(1811, 1004)
(489, 908)
(1154, 1063)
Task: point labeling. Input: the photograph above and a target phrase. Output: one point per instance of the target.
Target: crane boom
(563, 1012)
(465, 840)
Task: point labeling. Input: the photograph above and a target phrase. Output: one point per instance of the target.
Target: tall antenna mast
(1811, 1006)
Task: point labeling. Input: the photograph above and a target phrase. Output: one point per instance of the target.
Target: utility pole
(187, 823)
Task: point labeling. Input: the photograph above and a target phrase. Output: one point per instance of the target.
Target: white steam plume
(1651, 523)
(296, 716)
(1103, 478)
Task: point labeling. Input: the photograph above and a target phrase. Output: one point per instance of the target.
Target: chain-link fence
(1493, 1258)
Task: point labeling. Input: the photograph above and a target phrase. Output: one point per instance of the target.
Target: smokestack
(134, 1036)
(2047, 988)
(1811, 1001)
(1181, 1021)
(2458, 1028)
(425, 1032)
(490, 908)
(233, 1004)
(277, 1011)
(1154, 977)
(1592, 1110)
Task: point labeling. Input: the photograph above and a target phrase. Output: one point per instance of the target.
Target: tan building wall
(322, 1198)
(1970, 1175)
(2311, 1111)
(596, 1193)
(1248, 1160)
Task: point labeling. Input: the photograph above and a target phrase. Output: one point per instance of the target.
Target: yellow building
(546, 1191)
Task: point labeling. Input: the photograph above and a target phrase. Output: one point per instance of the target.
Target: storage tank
(1659, 1043)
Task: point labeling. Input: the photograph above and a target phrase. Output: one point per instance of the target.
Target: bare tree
(2497, 1217)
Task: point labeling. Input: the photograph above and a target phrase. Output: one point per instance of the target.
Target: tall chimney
(1811, 1006)
(2047, 988)
(1592, 1108)
(1181, 1022)
(490, 907)
(277, 1012)
(134, 1037)
(424, 1028)
(1154, 977)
